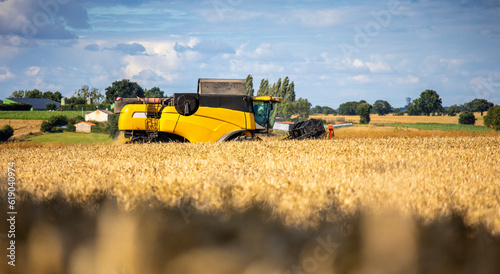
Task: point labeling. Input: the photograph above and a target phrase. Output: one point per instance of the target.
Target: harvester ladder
(152, 120)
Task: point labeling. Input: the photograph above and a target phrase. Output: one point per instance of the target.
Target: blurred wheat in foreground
(385, 205)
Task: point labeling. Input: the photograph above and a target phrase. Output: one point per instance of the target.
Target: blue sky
(334, 51)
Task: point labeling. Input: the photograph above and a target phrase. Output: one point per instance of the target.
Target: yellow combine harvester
(219, 111)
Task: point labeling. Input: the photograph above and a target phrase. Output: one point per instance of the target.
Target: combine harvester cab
(219, 111)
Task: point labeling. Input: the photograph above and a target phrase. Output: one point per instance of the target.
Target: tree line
(123, 88)
(290, 107)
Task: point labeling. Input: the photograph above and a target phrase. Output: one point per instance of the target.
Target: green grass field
(71, 138)
(36, 115)
(446, 127)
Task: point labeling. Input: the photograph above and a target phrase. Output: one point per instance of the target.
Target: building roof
(86, 123)
(101, 110)
(36, 103)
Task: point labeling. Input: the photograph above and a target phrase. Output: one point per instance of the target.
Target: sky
(334, 51)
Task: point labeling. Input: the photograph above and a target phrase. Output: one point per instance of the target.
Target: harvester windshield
(265, 108)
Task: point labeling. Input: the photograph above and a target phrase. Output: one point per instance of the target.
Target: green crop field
(71, 138)
(36, 115)
(438, 126)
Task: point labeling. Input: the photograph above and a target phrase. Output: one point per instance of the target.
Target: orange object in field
(330, 134)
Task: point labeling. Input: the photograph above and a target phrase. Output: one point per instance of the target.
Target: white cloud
(353, 64)
(318, 18)
(378, 67)
(260, 68)
(407, 80)
(362, 79)
(32, 71)
(5, 73)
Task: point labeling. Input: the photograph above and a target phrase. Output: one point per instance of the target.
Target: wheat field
(309, 185)
(391, 119)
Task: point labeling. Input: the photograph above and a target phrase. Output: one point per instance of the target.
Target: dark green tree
(112, 126)
(249, 85)
(70, 127)
(478, 105)
(398, 112)
(33, 94)
(123, 88)
(466, 118)
(290, 92)
(429, 102)
(492, 118)
(317, 109)
(412, 109)
(303, 108)
(328, 110)
(263, 88)
(17, 94)
(348, 108)
(275, 88)
(154, 92)
(6, 132)
(58, 120)
(363, 110)
(46, 126)
(50, 106)
(382, 107)
(453, 110)
(285, 85)
(48, 95)
(57, 96)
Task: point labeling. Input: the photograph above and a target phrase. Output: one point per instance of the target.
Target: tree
(17, 94)
(363, 110)
(317, 109)
(249, 85)
(123, 88)
(290, 92)
(46, 126)
(275, 88)
(263, 88)
(70, 127)
(323, 110)
(478, 105)
(58, 120)
(6, 132)
(300, 107)
(112, 126)
(328, 110)
(467, 118)
(382, 107)
(348, 108)
(283, 90)
(428, 102)
(412, 109)
(86, 92)
(154, 92)
(492, 118)
(57, 96)
(33, 94)
(453, 110)
(303, 108)
(50, 106)
(398, 112)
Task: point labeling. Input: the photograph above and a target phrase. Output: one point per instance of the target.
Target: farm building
(84, 127)
(98, 115)
(36, 103)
